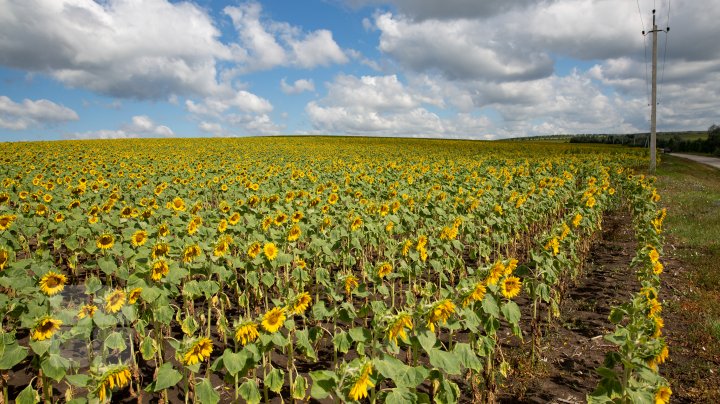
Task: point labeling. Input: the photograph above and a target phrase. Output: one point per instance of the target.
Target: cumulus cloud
(145, 50)
(267, 44)
(139, 126)
(297, 87)
(32, 114)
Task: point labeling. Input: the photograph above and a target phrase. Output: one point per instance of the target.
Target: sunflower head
(274, 319)
(134, 295)
(270, 250)
(87, 310)
(52, 283)
(115, 300)
(199, 351)
(45, 328)
(139, 238)
(362, 384)
(105, 241)
(301, 303)
(4, 258)
(384, 269)
(510, 287)
(246, 333)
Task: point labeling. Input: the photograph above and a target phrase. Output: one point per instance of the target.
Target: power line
(662, 69)
(647, 81)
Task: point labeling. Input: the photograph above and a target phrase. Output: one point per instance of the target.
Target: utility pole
(653, 101)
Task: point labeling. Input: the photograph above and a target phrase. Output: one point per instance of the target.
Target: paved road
(711, 161)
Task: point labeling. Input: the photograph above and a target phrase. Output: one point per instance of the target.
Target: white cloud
(297, 87)
(239, 100)
(32, 114)
(266, 44)
(213, 128)
(138, 49)
(140, 126)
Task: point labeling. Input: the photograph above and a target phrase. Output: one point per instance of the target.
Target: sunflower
(360, 388)
(134, 295)
(658, 325)
(221, 247)
(270, 250)
(280, 219)
(510, 287)
(6, 221)
(654, 307)
(565, 232)
(356, 223)
(333, 198)
(52, 283)
(234, 219)
(160, 250)
(45, 328)
(301, 303)
(389, 226)
(294, 233)
(163, 230)
(92, 219)
(422, 242)
(105, 241)
(246, 333)
(4, 198)
(510, 267)
(495, 273)
(159, 269)
(273, 319)
(191, 252)
(384, 269)
(266, 222)
(590, 202)
(297, 216)
(406, 247)
(222, 226)
(351, 282)
(653, 255)
(126, 212)
(553, 245)
(657, 268)
(139, 238)
(194, 225)
(662, 395)
(177, 204)
(254, 249)
(4, 258)
(198, 352)
(41, 210)
(397, 327)
(87, 310)
(441, 311)
(114, 301)
(476, 294)
(118, 376)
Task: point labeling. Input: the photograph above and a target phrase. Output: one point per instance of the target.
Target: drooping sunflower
(440, 312)
(87, 310)
(653, 255)
(105, 241)
(510, 267)
(662, 395)
(41, 210)
(351, 282)
(114, 301)
(476, 294)
(577, 219)
(163, 230)
(658, 268)
(45, 328)
(160, 250)
(52, 283)
(246, 333)
(6, 221)
(301, 303)
(139, 238)
(194, 225)
(384, 269)
(199, 351)
(274, 319)
(222, 226)
(4, 258)
(270, 250)
(134, 295)
(397, 326)
(118, 376)
(510, 287)
(159, 269)
(294, 233)
(356, 223)
(553, 245)
(359, 389)
(254, 249)
(495, 273)
(191, 252)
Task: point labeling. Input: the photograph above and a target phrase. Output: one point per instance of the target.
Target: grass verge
(691, 194)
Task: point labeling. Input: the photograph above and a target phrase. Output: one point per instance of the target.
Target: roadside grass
(691, 193)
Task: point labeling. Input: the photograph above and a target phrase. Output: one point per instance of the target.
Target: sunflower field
(298, 268)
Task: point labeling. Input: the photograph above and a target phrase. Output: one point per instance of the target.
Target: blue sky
(74, 69)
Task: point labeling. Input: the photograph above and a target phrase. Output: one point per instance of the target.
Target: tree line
(674, 142)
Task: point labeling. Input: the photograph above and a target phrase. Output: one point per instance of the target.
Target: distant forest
(696, 142)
